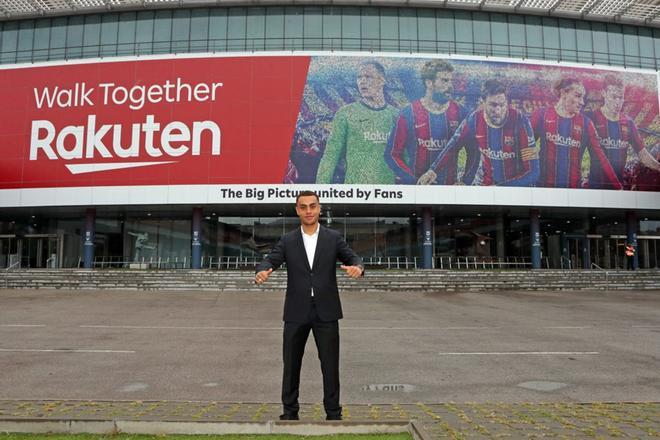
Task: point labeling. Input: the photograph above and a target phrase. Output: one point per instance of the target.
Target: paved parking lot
(464, 365)
(396, 348)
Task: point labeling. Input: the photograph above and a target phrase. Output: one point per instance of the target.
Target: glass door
(648, 252)
(40, 251)
(575, 252)
(7, 249)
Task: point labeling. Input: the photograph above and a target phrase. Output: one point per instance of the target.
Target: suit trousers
(326, 336)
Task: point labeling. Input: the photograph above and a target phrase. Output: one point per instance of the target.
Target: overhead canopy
(637, 12)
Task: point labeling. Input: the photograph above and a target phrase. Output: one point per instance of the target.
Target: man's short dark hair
(379, 67)
(613, 81)
(431, 68)
(307, 193)
(565, 83)
(493, 87)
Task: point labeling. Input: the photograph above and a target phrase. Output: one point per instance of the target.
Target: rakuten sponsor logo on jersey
(432, 144)
(498, 154)
(376, 136)
(89, 140)
(562, 140)
(614, 144)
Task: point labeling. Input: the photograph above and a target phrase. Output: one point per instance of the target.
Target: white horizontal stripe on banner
(94, 167)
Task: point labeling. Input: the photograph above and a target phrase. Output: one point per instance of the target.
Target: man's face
(308, 209)
(441, 84)
(370, 82)
(613, 99)
(572, 99)
(496, 107)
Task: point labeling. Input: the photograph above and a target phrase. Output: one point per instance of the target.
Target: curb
(40, 426)
(417, 431)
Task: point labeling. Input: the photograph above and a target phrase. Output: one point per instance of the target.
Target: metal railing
(8, 268)
(184, 262)
(391, 262)
(11, 266)
(484, 262)
(231, 262)
(122, 262)
(386, 262)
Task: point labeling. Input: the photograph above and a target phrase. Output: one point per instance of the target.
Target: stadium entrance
(598, 251)
(32, 250)
(649, 251)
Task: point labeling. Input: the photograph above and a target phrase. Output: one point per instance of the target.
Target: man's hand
(427, 178)
(352, 271)
(262, 276)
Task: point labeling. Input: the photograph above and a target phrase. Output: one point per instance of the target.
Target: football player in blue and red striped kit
(617, 133)
(564, 134)
(500, 136)
(424, 127)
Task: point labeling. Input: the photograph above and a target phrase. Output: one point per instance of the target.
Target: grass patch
(403, 436)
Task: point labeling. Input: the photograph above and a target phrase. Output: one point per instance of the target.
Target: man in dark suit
(312, 300)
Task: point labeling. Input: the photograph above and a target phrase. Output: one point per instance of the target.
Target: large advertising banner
(476, 122)
(382, 129)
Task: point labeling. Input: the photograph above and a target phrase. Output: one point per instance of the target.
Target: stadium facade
(447, 134)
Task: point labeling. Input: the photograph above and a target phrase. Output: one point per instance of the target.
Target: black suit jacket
(322, 276)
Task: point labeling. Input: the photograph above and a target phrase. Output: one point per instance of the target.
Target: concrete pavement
(459, 361)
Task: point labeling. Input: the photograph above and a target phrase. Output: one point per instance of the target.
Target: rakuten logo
(87, 142)
(562, 140)
(432, 144)
(376, 136)
(498, 154)
(614, 144)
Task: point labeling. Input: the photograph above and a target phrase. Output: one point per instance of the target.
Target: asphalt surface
(396, 348)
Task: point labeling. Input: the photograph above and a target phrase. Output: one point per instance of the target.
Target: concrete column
(535, 237)
(427, 238)
(632, 226)
(196, 262)
(88, 238)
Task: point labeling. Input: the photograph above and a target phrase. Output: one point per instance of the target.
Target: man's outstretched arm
(270, 263)
(353, 264)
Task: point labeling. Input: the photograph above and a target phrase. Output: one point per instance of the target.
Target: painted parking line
(22, 325)
(420, 328)
(518, 353)
(567, 327)
(61, 350)
(147, 327)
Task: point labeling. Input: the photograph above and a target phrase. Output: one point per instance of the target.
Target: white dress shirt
(310, 245)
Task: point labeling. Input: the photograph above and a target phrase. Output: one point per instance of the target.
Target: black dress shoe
(333, 417)
(286, 416)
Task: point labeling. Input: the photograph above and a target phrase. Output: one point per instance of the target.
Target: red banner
(151, 122)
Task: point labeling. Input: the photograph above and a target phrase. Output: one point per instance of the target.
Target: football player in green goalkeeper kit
(360, 131)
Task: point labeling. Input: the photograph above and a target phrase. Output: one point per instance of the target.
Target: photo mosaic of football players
(565, 133)
(618, 133)
(359, 133)
(500, 137)
(424, 128)
(342, 118)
